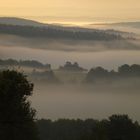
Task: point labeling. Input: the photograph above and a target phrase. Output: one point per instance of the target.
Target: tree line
(26, 63)
(92, 76)
(68, 66)
(95, 75)
(124, 71)
(116, 127)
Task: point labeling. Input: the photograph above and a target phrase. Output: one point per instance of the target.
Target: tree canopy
(124, 71)
(116, 127)
(16, 115)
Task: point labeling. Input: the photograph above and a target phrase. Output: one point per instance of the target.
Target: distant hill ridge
(29, 28)
(19, 21)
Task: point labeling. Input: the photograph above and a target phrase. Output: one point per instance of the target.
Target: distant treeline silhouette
(92, 76)
(124, 71)
(27, 63)
(68, 66)
(117, 127)
(51, 32)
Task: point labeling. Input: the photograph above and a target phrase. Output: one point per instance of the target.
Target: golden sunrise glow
(73, 10)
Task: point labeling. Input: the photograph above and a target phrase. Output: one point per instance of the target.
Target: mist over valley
(67, 96)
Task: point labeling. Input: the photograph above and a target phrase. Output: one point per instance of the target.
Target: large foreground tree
(17, 118)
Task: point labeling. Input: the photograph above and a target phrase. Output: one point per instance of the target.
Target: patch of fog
(107, 59)
(75, 102)
(68, 45)
(84, 102)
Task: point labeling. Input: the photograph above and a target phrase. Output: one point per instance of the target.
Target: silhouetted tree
(97, 73)
(124, 69)
(122, 128)
(71, 67)
(16, 116)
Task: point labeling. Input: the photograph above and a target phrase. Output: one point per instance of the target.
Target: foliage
(124, 71)
(117, 127)
(16, 115)
(71, 67)
(26, 63)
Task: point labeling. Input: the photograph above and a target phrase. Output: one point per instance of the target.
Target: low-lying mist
(107, 59)
(87, 101)
(68, 45)
(79, 100)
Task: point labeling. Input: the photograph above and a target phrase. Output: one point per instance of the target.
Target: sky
(73, 10)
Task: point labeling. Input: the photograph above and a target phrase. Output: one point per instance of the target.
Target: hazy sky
(70, 10)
